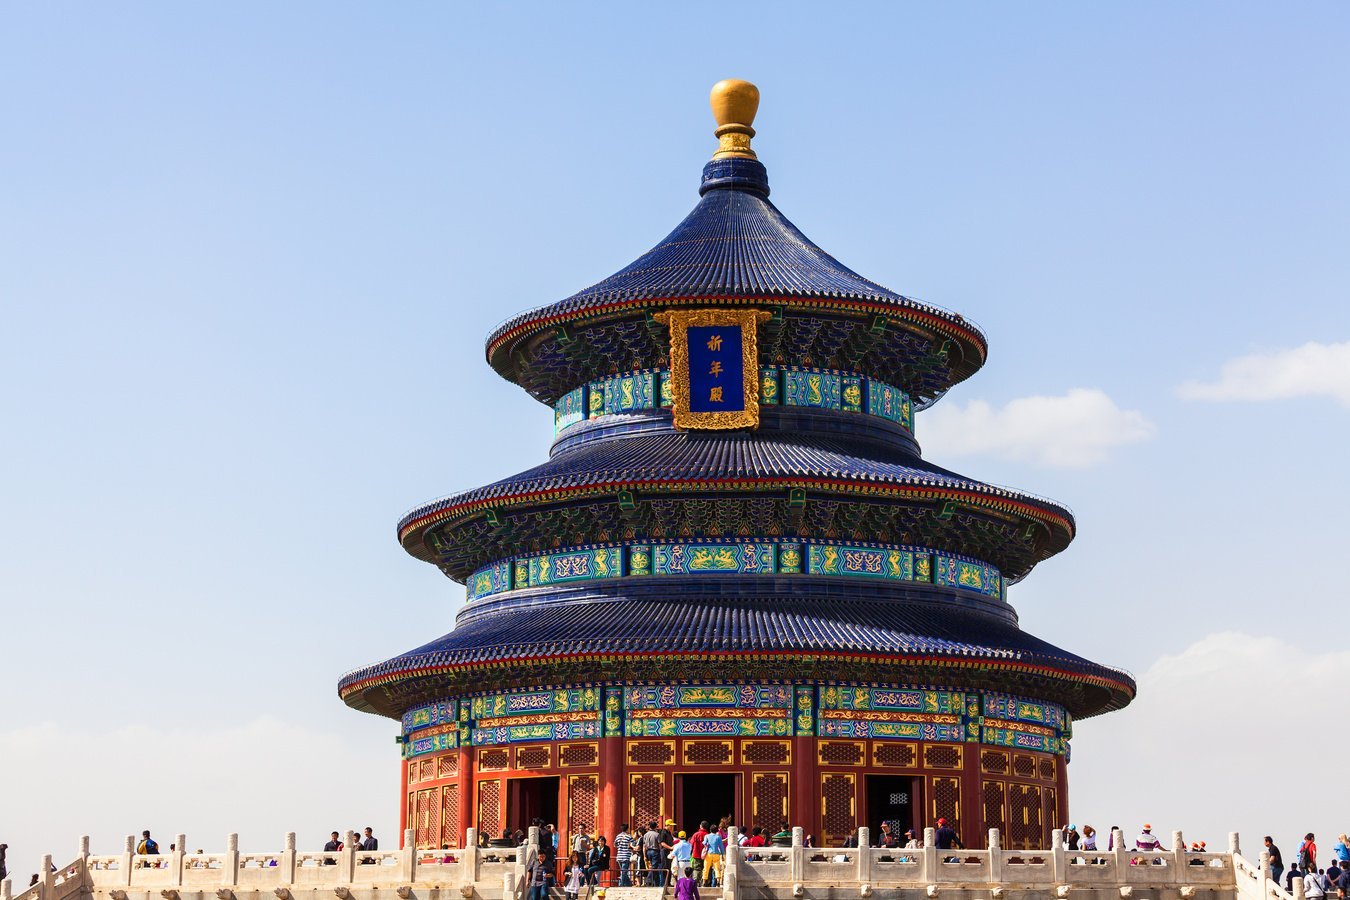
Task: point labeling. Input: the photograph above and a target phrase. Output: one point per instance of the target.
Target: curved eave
(415, 524)
(501, 343)
(353, 688)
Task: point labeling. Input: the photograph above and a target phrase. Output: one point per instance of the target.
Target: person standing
(539, 876)
(696, 851)
(1307, 854)
(1276, 860)
(945, 838)
(4, 872)
(623, 854)
(713, 846)
(687, 888)
(575, 876)
(651, 852)
(1089, 842)
(147, 846)
(1146, 840)
(679, 854)
(1342, 851)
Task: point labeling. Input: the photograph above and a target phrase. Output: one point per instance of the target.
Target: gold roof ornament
(734, 104)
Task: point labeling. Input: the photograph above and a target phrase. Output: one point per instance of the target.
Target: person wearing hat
(666, 838)
(680, 853)
(1071, 838)
(887, 837)
(1146, 840)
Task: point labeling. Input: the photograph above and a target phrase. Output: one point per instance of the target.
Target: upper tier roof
(737, 249)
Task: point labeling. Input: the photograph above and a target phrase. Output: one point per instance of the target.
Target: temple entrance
(893, 799)
(709, 796)
(531, 798)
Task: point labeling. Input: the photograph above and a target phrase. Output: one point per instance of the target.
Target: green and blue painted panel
(516, 703)
(808, 388)
(890, 403)
(559, 568)
(570, 409)
(893, 699)
(973, 576)
(541, 731)
(709, 696)
(917, 731)
(427, 716)
(491, 579)
(852, 559)
(729, 727)
(629, 392)
(706, 559)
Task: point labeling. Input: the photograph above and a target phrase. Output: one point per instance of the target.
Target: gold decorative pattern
(679, 322)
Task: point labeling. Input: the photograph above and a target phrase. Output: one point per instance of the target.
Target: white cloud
(1313, 370)
(1236, 733)
(1072, 431)
(260, 779)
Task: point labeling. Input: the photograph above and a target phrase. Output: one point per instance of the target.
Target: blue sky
(248, 254)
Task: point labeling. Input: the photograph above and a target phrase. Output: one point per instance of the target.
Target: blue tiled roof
(735, 243)
(622, 625)
(677, 456)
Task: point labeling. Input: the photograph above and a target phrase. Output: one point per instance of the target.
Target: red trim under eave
(448, 512)
(932, 318)
(948, 662)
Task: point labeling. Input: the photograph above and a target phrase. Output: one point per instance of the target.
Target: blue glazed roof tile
(734, 243)
(736, 625)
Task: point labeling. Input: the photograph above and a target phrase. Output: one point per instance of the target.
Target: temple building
(736, 588)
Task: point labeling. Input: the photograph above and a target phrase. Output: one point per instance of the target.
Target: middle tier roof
(907, 500)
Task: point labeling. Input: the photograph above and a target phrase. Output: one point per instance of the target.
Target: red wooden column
(805, 787)
(404, 824)
(974, 833)
(467, 819)
(613, 794)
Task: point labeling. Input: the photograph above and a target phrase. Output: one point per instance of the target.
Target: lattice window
(766, 753)
(1048, 769)
(942, 756)
(533, 757)
(994, 762)
(411, 820)
(1024, 817)
(495, 758)
(583, 795)
(707, 753)
(490, 808)
(447, 766)
(450, 815)
(946, 793)
(899, 755)
(651, 753)
(428, 770)
(769, 800)
(840, 753)
(423, 826)
(578, 755)
(1051, 820)
(1024, 766)
(838, 806)
(645, 795)
(995, 798)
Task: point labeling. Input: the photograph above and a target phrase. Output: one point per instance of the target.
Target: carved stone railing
(1057, 871)
(489, 873)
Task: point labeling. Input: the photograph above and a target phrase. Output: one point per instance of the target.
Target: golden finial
(734, 104)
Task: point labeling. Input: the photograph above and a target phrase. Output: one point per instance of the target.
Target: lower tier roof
(620, 638)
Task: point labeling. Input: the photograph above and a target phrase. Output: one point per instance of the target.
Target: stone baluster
(84, 862)
(1057, 855)
(6, 889)
(930, 857)
(229, 869)
(995, 857)
(347, 862)
(1265, 873)
(1233, 848)
(128, 857)
(1118, 851)
(797, 856)
(176, 859)
(1178, 852)
(47, 885)
(468, 863)
(864, 855)
(288, 858)
(407, 856)
(731, 863)
(1298, 889)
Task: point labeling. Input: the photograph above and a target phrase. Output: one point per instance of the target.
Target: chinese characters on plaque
(714, 366)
